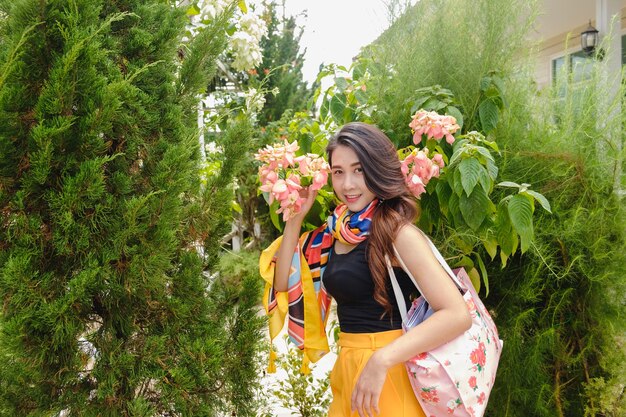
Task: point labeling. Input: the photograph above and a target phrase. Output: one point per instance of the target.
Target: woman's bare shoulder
(411, 241)
(410, 232)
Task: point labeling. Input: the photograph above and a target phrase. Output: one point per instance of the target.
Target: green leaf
(359, 70)
(484, 152)
(444, 192)
(508, 184)
(503, 258)
(458, 153)
(485, 180)
(457, 183)
(483, 272)
(485, 82)
(418, 104)
(337, 107)
(341, 84)
(464, 243)
(319, 144)
(324, 109)
(234, 205)
(455, 210)
(504, 230)
(322, 74)
(542, 200)
(474, 208)
(492, 168)
(499, 84)
(430, 212)
(521, 214)
(456, 113)
(348, 115)
(514, 241)
(475, 278)
(470, 172)
(488, 113)
(493, 93)
(491, 246)
(193, 10)
(305, 142)
(276, 221)
(434, 104)
(314, 214)
(465, 262)
(361, 96)
(242, 6)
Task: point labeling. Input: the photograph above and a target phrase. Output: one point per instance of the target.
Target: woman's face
(348, 179)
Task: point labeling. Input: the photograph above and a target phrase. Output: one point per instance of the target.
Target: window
(577, 65)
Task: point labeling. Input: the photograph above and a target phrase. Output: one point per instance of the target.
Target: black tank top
(348, 279)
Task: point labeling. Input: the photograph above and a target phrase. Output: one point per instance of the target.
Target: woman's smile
(349, 180)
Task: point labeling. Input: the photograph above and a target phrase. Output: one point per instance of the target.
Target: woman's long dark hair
(383, 177)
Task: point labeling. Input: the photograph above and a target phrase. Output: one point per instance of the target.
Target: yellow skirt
(396, 399)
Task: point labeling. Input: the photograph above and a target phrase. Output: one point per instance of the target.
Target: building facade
(558, 32)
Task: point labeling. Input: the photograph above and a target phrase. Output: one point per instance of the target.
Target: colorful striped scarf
(306, 302)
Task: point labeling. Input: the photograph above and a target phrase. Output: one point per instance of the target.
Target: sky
(335, 30)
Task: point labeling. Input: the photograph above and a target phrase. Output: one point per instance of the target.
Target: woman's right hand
(309, 196)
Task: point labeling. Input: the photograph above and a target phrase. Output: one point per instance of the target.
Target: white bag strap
(397, 291)
(394, 282)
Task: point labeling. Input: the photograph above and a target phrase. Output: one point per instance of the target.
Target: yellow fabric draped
(315, 340)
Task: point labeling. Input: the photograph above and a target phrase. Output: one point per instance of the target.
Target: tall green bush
(465, 47)
(559, 306)
(106, 310)
(282, 66)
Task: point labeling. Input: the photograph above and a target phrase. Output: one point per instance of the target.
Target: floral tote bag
(454, 379)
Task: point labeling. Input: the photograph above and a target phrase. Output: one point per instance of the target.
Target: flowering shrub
(433, 125)
(211, 8)
(245, 43)
(283, 175)
(418, 169)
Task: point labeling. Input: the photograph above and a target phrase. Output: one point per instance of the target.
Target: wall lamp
(589, 40)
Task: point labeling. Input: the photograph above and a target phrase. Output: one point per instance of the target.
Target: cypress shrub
(106, 310)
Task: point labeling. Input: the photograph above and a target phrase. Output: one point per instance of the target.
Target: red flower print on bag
(472, 383)
(478, 356)
(430, 394)
(472, 308)
(481, 398)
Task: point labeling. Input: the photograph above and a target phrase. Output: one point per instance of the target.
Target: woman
(376, 214)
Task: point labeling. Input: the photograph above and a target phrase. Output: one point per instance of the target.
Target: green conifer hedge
(105, 310)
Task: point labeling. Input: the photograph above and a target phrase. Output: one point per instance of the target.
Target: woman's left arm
(450, 319)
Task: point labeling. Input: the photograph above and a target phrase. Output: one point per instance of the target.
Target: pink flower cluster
(283, 175)
(418, 169)
(433, 125)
